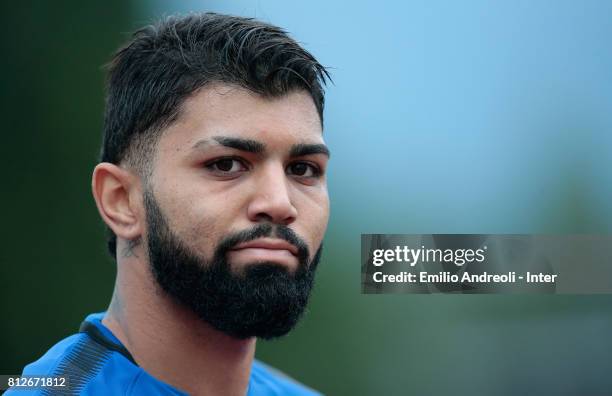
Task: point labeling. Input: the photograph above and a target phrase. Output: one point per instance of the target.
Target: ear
(118, 197)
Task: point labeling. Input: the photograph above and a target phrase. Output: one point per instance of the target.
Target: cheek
(200, 214)
(201, 234)
(315, 218)
(199, 226)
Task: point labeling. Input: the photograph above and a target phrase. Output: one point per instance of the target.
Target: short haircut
(152, 75)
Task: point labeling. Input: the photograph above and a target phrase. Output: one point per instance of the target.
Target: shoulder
(268, 381)
(86, 365)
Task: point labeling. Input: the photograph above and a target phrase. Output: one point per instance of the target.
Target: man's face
(237, 207)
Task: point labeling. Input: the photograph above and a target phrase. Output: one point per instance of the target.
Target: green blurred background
(445, 117)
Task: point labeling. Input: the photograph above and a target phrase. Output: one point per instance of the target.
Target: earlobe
(111, 188)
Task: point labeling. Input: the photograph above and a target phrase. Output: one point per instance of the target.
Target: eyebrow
(253, 146)
(299, 150)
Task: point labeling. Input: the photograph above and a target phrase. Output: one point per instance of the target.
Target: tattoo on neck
(129, 248)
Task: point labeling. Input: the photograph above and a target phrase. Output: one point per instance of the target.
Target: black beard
(264, 300)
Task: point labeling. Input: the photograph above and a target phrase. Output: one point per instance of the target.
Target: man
(212, 184)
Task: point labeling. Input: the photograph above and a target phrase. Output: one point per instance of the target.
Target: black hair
(152, 75)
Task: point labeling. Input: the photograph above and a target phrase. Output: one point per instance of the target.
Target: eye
(226, 165)
(303, 169)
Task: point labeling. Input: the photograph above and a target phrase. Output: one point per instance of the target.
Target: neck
(170, 342)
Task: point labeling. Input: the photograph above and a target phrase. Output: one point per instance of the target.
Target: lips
(269, 244)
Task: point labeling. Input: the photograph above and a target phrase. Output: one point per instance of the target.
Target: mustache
(261, 231)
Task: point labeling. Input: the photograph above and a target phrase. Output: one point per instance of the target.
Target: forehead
(225, 110)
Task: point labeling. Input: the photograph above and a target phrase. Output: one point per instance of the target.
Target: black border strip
(92, 331)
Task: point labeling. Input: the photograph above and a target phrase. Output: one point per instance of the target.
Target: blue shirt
(96, 363)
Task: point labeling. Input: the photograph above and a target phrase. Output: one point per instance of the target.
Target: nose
(271, 200)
